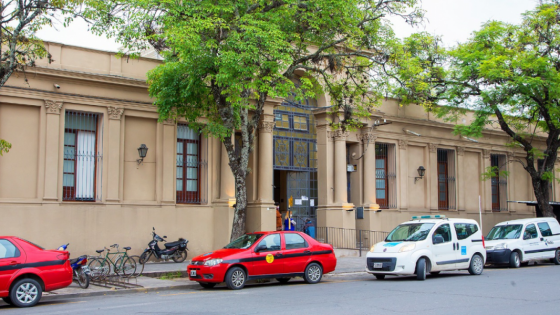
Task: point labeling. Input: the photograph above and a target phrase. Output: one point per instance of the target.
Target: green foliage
(5, 146)
(171, 275)
(493, 172)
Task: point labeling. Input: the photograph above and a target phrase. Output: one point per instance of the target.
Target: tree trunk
(542, 193)
(240, 213)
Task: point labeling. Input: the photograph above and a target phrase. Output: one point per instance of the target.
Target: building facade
(75, 174)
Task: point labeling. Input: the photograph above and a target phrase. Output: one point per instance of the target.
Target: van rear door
(466, 239)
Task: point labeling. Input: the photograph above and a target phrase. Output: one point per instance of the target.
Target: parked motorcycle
(177, 251)
(80, 269)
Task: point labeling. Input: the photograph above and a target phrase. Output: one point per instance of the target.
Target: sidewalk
(152, 282)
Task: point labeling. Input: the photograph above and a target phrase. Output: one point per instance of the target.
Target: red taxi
(27, 270)
(261, 255)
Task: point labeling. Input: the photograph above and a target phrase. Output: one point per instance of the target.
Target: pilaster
(432, 175)
(52, 145)
(487, 184)
(169, 161)
(368, 138)
(113, 153)
(402, 184)
(461, 185)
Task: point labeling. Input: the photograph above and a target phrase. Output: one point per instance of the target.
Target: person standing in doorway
(278, 217)
(289, 222)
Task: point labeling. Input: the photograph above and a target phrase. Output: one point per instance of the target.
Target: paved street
(497, 291)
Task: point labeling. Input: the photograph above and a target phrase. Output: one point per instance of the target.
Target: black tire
(379, 277)
(435, 273)
(236, 278)
(145, 257)
(82, 278)
(477, 265)
(556, 258)
(421, 269)
(29, 292)
(514, 260)
(283, 280)
(179, 256)
(128, 268)
(98, 269)
(7, 300)
(207, 285)
(313, 273)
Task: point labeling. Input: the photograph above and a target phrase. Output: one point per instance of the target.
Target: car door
(548, 249)
(297, 253)
(267, 261)
(531, 243)
(11, 257)
(444, 253)
(464, 233)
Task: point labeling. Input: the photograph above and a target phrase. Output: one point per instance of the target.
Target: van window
(505, 232)
(444, 231)
(465, 230)
(530, 232)
(545, 229)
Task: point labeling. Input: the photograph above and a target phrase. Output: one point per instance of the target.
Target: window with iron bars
(385, 176)
(191, 169)
(446, 179)
(81, 179)
(499, 183)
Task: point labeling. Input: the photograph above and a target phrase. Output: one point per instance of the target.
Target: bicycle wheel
(139, 266)
(129, 267)
(99, 269)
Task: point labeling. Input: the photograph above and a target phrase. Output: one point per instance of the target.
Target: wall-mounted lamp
(421, 172)
(412, 132)
(142, 151)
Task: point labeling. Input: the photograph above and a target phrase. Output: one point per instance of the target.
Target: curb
(54, 297)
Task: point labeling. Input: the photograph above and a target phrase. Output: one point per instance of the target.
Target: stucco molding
(486, 154)
(266, 126)
(403, 144)
(460, 151)
(432, 147)
(115, 112)
(367, 137)
(53, 107)
(339, 134)
(169, 121)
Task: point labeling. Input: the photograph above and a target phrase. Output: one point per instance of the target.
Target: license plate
(377, 265)
(193, 273)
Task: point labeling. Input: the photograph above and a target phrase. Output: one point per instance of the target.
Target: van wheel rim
(314, 273)
(477, 264)
(237, 278)
(516, 260)
(27, 293)
(558, 255)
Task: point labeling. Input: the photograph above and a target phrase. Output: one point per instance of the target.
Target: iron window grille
(499, 183)
(446, 179)
(83, 161)
(191, 169)
(385, 176)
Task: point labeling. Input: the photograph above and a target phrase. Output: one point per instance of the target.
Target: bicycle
(139, 266)
(123, 265)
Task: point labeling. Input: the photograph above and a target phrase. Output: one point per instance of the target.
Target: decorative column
(114, 153)
(487, 184)
(52, 146)
(511, 181)
(461, 179)
(340, 179)
(169, 161)
(402, 191)
(369, 193)
(432, 176)
(265, 161)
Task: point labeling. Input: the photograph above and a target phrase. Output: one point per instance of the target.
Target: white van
(429, 244)
(517, 242)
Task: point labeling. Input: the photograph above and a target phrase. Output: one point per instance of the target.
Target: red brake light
(84, 262)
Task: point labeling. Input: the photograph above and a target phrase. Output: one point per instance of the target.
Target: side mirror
(153, 228)
(260, 248)
(438, 239)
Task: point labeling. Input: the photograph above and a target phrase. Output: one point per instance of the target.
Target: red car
(260, 255)
(26, 270)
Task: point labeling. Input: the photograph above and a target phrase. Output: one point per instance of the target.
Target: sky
(454, 20)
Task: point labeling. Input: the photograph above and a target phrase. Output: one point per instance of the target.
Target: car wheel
(421, 269)
(207, 285)
(26, 292)
(7, 300)
(514, 260)
(179, 256)
(477, 265)
(313, 273)
(434, 273)
(557, 257)
(283, 280)
(379, 277)
(236, 278)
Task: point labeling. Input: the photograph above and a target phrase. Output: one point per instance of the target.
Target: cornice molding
(53, 107)
(86, 76)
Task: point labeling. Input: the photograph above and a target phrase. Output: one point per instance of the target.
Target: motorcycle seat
(173, 244)
(127, 248)
(99, 251)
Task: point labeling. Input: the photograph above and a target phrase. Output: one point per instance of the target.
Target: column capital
(169, 121)
(115, 112)
(403, 144)
(53, 107)
(460, 151)
(486, 153)
(432, 147)
(339, 134)
(266, 126)
(367, 135)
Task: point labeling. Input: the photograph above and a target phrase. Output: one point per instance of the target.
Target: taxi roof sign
(434, 216)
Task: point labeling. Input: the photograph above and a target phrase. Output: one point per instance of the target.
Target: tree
(224, 58)
(509, 75)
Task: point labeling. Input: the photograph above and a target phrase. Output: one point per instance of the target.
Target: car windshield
(505, 232)
(244, 241)
(410, 232)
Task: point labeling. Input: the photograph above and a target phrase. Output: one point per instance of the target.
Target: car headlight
(407, 247)
(501, 246)
(372, 248)
(213, 262)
